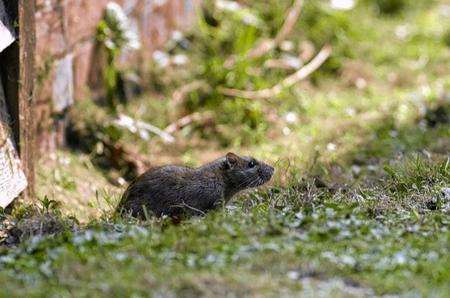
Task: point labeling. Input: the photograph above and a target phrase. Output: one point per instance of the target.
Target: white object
(342, 4)
(63, 84)
(331, 147)
(446, 193)
(228, 5)
(6, 31)
(128, 28)
(12, 178)
(291, 117)
(143, 128)
(161, 58)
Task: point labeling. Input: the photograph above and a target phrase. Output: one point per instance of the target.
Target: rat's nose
(268, 171)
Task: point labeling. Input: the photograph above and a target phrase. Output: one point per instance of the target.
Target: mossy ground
(359, 205)
(389, 237)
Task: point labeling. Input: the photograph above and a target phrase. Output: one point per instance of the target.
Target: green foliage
(394, 8)
(417, 173)
(248, 114)
(302, 231)
(362, 173)
(446, 37)
(390, 6)
(217, 53)
(217, 49)
(92, 130)
(361, 170)
(217, 46)
(113, 36)
(110, 41)
(48, 204)
(321, 25)
(212, 46)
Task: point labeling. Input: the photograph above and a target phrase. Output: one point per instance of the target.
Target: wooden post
(27, 44)
(17, 74)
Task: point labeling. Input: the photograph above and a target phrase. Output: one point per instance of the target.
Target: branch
(184, 205)
(135, 125)
(289, 81)
(186, 120)
(284, 63)
(179, 95)
(267, 45)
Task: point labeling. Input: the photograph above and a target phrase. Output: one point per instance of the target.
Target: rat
(177, 191)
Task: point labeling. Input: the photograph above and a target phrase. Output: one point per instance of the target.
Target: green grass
(388, 237)
(356, 205)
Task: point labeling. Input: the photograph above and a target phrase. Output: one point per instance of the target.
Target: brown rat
(176, 190)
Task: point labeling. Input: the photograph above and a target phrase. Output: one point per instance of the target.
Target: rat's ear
(231, 159)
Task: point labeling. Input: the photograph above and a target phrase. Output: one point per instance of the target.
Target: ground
(359, 205)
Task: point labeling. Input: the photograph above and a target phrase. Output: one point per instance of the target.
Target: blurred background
(329, 88)
(185, 82)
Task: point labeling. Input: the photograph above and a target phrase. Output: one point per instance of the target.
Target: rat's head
(245, 172)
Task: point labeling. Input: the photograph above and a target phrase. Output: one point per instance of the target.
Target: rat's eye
(252, 164)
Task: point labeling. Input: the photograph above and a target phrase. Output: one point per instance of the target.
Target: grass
(357, 206)
(77, 184)
(383, 239)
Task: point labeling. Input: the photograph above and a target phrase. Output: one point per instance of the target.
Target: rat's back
(170, 190)
(174, 190)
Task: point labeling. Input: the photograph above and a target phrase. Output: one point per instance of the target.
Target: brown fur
(176, 191)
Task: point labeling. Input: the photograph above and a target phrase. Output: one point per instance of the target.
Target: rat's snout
(271, 170)
(267, 171)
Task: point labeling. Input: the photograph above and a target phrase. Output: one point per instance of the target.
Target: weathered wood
(27, 44)
(17, 75)
(7, 32)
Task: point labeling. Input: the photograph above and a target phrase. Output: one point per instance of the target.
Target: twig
(283, 64)
(267, 45)
(134, 125)
(184, 205)
(289, 81)
(293, 15)
(186, 120)
(180, 94)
